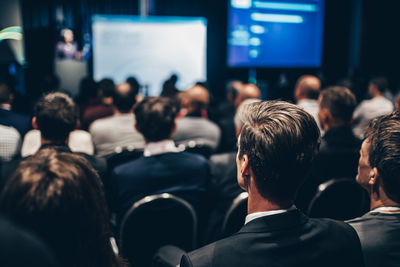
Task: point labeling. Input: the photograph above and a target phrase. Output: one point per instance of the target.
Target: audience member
(56, 115)
(224, 115)
(59, 196)
(247, 91)
(8, 117)
(169, 87)
(368, 109)
(88, 96)
(162, 169)
(19, 248)
(10, 142)
(378, 173)
(276, 146)
(306, 94)
(195, 126)
(339, 149)
(116, 132)
(102, 106)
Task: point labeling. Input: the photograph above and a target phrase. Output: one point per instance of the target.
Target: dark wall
(379, 52)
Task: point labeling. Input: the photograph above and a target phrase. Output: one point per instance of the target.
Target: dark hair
(155, 118)
(107, 87)
(59, 196)
(135, 85)
(56, 116)
(381, 83)
(124, 100)
(280, 140)
(383, 134)
(340, 101)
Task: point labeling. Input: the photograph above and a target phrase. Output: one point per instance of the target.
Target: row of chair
(160, 220)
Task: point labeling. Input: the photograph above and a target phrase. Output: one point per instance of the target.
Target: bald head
(247, 91)
(307, 87)
(196, 98)
(124, 97)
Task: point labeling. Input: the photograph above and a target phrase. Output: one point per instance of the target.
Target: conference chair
(340, 199)
(156, 221)
(236, 215)
(122, 155)
(196, 147)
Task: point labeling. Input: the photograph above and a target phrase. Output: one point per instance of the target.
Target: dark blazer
(20, 122)
(337, 158)
(286, 239)
(380, 238)
(182, 174)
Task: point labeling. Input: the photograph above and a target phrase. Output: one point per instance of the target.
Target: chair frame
(151, 198)
(241, 197)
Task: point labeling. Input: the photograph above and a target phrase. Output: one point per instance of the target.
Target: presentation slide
(275, 33)
(150, 49)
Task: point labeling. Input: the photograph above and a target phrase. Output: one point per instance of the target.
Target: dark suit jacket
(20, 122)
(286, 239)
(380, 238)
(182, 174)
(337, 158)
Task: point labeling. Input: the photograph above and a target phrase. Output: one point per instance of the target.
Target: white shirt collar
(257, 215)
(161, 147)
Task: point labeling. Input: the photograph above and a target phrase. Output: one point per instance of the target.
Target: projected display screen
(275, 33)
(151, 49)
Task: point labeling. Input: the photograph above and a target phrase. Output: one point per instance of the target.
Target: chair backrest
(196, 147)
(340, 199)
(122, 156)
(156, 221)
(236, 215)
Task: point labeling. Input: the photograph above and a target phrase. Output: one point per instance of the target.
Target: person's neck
(256, 203)
(377, 94)
(49, 142)
(118, 112)
(380, 199)
(335, 125)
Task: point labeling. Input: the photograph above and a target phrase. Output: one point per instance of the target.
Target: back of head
(383, 135)
(59, 196)
(280, 140)
(198, 98)
(5, 92)
(380, 83)
(247, 91)
(232, 89)
(56, 116)
(106, 87)
(135, 85)
(340, 102)
(155, 118)
(307, 87)
(124, 97)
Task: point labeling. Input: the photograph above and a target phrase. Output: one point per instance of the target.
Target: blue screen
(275, 33)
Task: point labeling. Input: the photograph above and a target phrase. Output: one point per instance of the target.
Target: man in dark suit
(162, 168)
(378, 173)
(56, 115)
(8, 117)
(339, 150)
(276, 147)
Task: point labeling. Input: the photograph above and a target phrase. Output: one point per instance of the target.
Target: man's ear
(34, 123)
(373, 176)
(244, 165)
(325, 117)
(78, 124)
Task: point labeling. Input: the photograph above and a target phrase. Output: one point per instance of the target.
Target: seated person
(59, 196)
(116, 132)
(369, 109)
(162, 168)
(56, 116)
(378, 173)
(339, 150)
(276, 147)
(195, 124)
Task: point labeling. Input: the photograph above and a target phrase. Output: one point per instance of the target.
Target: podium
(70, 73)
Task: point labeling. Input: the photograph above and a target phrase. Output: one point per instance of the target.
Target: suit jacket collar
(275, 222)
